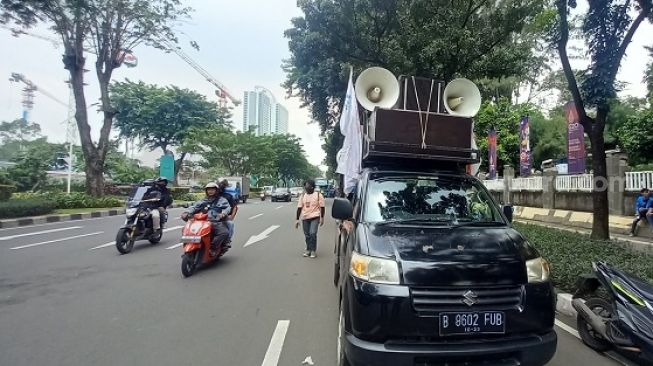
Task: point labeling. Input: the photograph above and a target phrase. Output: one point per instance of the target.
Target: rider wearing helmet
(160, 185)
(223, 185)
(218, 208)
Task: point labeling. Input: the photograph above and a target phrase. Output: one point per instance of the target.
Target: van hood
(452, 256)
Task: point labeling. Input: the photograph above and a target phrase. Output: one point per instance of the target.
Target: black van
(432, 273)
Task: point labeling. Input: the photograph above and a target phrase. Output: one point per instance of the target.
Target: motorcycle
(263, 196)
(622, 320)
(138, 222)
(196, 238)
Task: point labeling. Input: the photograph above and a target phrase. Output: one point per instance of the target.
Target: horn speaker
(377, 87)
(462, 98)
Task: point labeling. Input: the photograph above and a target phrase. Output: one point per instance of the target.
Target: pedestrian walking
(643, 210)
(310, 210)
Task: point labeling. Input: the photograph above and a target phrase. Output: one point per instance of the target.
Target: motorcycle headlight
(374, 269)
(131, 211)
(537, 270)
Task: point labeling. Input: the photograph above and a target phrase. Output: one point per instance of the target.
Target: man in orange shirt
(310, 209)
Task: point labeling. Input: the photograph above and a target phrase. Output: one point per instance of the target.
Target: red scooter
(196, 238)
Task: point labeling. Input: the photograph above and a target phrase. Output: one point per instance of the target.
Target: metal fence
(638, 180)
(570, 183)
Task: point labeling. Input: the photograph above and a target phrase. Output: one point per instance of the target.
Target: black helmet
(147, 182)
(161, 180)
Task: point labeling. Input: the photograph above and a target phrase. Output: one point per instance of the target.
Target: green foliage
(73, 200)
(6, 192)
(505, 118)
(572, 254)
(160, 117)
(636, 136)
(548, 138)
(20, 208)
(19, 130)
(332, 144)
(439, 38)
(32, 164)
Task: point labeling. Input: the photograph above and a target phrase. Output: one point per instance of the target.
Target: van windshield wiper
(478, 223)
(413, 220)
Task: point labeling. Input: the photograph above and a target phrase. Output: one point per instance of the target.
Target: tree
(332, 144)
(19, 130)
(505, 118)
(33, 162)
(162, 117)
(548, 138)
(636, 135)
(648, 75)
(108, 29)
(608, 28)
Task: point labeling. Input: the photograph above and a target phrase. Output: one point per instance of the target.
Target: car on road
(430, 272)
(281, 194)
(296, 191)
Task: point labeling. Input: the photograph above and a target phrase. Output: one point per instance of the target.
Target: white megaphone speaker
(377, 87)
(462, 98)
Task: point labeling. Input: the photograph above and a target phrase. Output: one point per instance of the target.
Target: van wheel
(342, 358)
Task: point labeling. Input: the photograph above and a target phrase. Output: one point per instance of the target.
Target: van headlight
(537, 270)
(374, 269)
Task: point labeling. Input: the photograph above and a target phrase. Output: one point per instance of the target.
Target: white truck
(238, 187)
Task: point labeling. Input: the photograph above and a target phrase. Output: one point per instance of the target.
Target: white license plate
(191, 239)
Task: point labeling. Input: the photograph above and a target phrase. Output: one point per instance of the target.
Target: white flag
(349, 162)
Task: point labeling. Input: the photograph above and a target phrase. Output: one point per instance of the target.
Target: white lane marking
(113, 242)
(104, 245)
(56, 240)
(276, 344)
(264, 235)
(255, 216)
(276, 208)
(39, 232)
(567, 328)
(175, 246)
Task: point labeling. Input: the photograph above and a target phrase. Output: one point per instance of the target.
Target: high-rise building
(281, 119)
(262, 114)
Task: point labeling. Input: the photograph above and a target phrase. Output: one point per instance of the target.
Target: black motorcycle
(138, 223)
(615, 311)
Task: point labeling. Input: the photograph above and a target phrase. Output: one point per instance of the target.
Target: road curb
(563, 305)
(49, 219)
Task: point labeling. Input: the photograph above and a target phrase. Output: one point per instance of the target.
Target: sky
(241, 45)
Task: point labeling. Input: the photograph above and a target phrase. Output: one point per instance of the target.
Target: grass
(572, 254)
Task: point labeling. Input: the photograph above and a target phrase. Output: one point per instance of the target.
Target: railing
(527, 184)
(570, 183)
(638, 180)
(494, 184)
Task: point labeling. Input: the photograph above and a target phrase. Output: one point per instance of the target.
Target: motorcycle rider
(224, 184)
(218, 207)
(161, 185)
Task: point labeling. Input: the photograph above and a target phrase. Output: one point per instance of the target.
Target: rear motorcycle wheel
(155, 238)
(188, 264)
(124, 242)
(590, 337)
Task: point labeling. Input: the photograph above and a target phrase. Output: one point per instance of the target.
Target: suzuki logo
(470, 298)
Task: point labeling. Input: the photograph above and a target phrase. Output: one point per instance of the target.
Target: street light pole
(70, 132)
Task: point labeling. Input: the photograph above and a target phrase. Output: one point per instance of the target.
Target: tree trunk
(178, 163)
(600, 224)
(94, 179)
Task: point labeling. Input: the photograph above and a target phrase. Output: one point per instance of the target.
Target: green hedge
(6, 191)
(74, 200)
(21, 208)
(572, 254)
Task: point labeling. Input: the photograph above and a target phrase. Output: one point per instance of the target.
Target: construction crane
(28, 93)
(222, 92)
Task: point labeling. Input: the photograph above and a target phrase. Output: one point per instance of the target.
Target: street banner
(575, 141)
(524, 148)
(492, 153)
(167, 167)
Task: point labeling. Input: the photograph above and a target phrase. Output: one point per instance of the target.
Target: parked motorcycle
(196, 238)
(623, 319)
(138, 223)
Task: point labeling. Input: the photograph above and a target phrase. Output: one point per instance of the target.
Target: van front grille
(430, 300)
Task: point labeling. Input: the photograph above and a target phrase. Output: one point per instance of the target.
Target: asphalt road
(68, 298)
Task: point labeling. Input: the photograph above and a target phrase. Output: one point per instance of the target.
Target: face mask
(310, 190)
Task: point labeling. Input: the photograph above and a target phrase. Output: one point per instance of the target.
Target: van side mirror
(342, 209)
(508, 210)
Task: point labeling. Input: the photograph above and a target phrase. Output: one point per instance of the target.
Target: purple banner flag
(492, 152)
(524, 148)
(575, 141)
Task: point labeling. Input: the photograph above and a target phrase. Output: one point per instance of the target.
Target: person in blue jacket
(643, 209)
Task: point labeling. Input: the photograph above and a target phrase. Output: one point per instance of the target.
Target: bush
(74, 200)
(179, 192)
(572, 254)
(22, 208)
(6, 191)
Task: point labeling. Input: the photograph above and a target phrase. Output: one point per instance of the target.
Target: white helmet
(210, 185)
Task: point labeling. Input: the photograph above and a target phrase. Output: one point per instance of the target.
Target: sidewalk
(39, 220)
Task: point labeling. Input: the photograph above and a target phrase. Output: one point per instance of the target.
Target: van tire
(342, 358)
